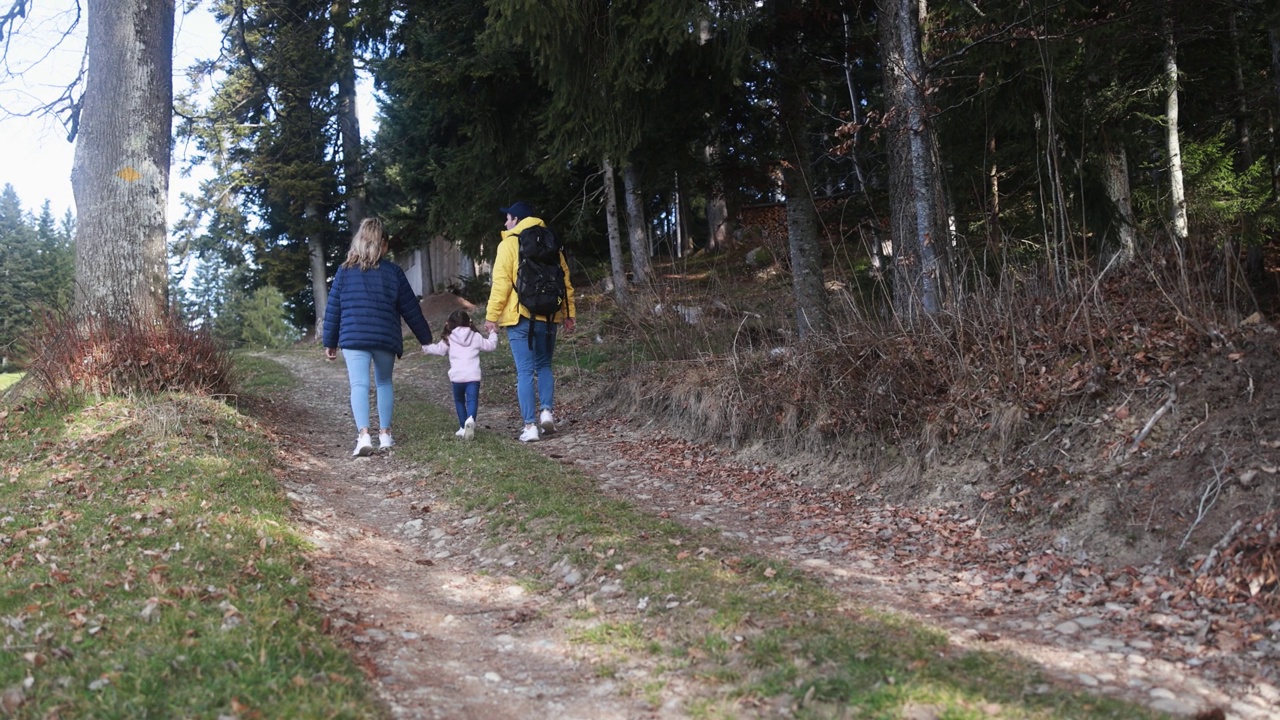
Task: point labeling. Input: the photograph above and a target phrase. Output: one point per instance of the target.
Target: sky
(35, 156)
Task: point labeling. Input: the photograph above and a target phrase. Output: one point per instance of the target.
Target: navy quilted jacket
(365, 308)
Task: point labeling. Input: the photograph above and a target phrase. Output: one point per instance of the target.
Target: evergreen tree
(270, 134)
(458, 136)
(264, 323)
(20, 265)
(56, 274)
(207, 298)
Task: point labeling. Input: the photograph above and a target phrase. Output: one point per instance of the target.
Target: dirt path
(398, 571)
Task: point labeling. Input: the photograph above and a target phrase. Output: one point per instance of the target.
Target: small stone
(12, 699)
(1173, 707)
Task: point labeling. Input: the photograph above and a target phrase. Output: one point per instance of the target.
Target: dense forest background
(914, 153)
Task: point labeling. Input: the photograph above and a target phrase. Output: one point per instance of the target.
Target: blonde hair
(367, 246)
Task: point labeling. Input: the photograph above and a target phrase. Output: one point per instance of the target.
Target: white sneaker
(530, 434)
(462, 433)
(385, 441)
(364, 446)
(469, 429)
(546, 421)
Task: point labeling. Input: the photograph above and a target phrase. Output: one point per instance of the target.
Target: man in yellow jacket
(532, 343)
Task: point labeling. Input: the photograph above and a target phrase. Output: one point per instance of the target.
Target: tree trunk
(1273, 37)
(803, 239)
(1177, 194)
(993, 188)
(917, 215)
(803, 233)
(120, 174)
(1115, 179)
(854, 150)
(620, 294)
(1244, 140)
(348, 115)
(319, 272)
(637, 227)
(1254, 263)
(717, 206)
(684, 240)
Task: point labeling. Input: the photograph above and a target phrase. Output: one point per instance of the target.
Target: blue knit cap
(518, 210)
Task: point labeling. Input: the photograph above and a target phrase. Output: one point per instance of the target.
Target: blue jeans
(358, 362)
(533, 363)
(466, 400)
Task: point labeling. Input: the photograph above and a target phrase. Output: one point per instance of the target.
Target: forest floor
(421, 594)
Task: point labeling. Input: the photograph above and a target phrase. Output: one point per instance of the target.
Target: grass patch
(753, 632)
(256, 373)
(147, 569)
(8, 380)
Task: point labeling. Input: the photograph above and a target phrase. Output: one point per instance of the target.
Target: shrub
(104, 357)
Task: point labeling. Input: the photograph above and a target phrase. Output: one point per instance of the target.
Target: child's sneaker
(546, 421)
(530, 434)
(462, 433)
(469, 429)
(385, 441)
(364, 446)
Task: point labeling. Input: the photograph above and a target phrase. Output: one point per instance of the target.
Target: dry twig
(1146, 429)
(1207, 498)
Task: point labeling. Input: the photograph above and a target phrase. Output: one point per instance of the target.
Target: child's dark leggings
(466, 399)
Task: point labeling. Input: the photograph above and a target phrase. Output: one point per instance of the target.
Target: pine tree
(20, 264)
(264, 322)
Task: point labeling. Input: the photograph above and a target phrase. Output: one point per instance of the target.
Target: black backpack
(540, 283)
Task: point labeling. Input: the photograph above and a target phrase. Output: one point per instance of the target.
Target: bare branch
(17, 11)
(67, 104)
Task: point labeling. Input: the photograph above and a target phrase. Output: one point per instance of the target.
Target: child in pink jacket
(462, 343)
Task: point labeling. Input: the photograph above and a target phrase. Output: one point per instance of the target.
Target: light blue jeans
(533, 363)
(358, 362)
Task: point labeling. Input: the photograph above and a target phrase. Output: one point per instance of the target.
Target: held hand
(330, 354)
(424, 350)
(569, 324)
(490, 326)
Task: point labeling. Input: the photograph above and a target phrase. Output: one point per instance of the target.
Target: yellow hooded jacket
(504, 305)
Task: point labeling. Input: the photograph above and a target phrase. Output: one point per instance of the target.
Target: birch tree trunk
(619, 270)
(637, 227)
(120, 173)
(1177, 194)
(917, 220)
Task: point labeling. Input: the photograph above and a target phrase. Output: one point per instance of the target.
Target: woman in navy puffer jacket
(368, 298)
